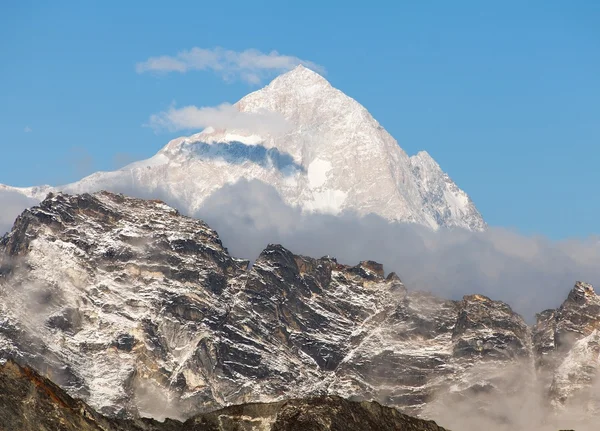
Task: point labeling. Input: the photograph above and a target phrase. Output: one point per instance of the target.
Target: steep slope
(105, 292)
(441, 197)
(320, 149)
(139, 310)
(30, 402)
(567, 347)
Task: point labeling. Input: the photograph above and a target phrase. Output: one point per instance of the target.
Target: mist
(11, 205)
(518, 402)
(529, 273)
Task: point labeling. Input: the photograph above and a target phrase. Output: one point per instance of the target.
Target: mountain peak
(581, 293)
(300, 76)
(424, 155)
(423, 158)
(319, 148)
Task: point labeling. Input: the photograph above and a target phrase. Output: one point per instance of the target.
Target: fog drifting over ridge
(11, 205)
(529, 273)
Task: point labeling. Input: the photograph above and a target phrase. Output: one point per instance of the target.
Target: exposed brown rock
(29, 402)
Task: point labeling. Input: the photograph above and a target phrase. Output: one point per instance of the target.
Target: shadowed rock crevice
(239, 153)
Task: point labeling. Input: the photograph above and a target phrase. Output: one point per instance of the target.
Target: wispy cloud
(12, 203)
(224, 116)
(250, 65)
(28, 129)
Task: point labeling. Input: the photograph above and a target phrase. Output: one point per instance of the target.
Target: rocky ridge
(30, 402)
(141, 311)
(567, 344)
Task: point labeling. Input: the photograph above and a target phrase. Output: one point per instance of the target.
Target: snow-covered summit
(319, 148)
(300, 76)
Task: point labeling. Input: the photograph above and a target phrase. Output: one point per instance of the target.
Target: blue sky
(505, 96)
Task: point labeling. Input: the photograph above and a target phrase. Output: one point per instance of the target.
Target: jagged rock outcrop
(141, 311)
(567, 347)
(30, 402)
(123, 300)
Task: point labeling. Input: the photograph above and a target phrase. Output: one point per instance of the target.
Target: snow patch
(156, 160)
(248, 140)
(317, 173)
(327, 201)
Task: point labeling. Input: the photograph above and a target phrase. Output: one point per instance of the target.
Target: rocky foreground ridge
(139, 311)
(30, 402)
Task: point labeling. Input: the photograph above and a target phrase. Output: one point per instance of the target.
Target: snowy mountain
(320, 149)
(139, 310)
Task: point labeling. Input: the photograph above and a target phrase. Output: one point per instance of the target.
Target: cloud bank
(529, 273)
(251, 65)
(224, 116)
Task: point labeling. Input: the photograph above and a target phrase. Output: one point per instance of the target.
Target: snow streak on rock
(121, 300)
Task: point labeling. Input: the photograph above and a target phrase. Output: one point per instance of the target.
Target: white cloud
(12, 203)
(224, 116)
(529, 273)
(250, 65)
(28, 129)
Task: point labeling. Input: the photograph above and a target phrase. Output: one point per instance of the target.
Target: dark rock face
(489, 329)
(116, 290)
(127, 304)
(29, 402)
(337, 414)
